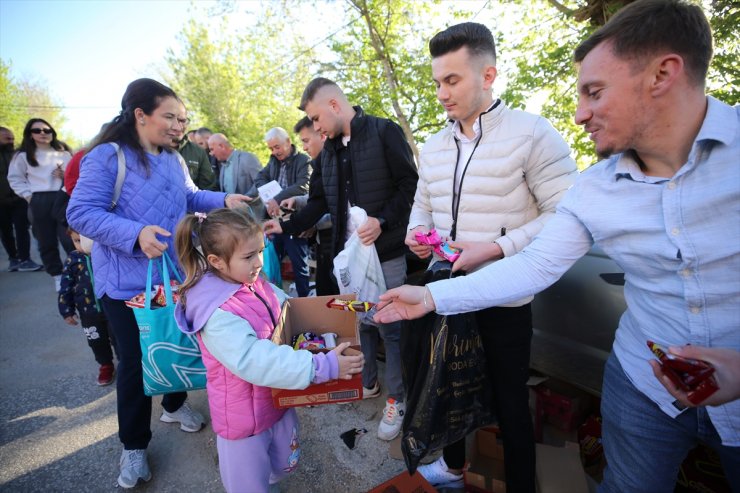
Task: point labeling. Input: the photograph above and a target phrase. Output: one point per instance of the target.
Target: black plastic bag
(447, 387)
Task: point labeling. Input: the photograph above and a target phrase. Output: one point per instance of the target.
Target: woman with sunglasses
(36, 173)
(157, 192)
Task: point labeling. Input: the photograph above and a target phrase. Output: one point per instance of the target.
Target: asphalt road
(58, 429)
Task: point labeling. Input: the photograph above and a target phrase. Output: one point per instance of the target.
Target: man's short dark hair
(649, 27)
(476, 37)
(304, 122)
(204, 130)
(312, 88)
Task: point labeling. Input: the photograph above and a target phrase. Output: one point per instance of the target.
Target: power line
(57, 107)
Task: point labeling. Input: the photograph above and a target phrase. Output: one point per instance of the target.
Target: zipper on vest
(264, 302)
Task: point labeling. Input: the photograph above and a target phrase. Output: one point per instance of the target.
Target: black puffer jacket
(384, 178)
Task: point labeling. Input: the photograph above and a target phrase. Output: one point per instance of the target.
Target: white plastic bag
(357, 267)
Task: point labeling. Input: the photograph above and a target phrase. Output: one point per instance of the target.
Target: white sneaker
(372, 392)
(440, 476)
(57, 282)
(134, 467)
(390, 425)
(190, 421)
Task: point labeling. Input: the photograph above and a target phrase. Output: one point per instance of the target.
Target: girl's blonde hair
(217, 233)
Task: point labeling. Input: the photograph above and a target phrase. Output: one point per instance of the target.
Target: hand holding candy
(691, 377)
(440, 247)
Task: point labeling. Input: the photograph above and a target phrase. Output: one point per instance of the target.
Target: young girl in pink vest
(233, 311)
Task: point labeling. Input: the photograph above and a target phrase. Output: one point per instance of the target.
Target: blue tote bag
(271, 264)
(170, 359)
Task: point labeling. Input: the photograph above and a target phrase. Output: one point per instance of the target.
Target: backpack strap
(120, 175)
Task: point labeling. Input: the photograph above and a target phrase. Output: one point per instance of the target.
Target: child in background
(76, 293)
(234, 311)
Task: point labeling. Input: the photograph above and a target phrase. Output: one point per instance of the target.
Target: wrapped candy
(308, 340)
(137, 301)
(159, 298)
(693, 376)
(350, 305)
(440, 247)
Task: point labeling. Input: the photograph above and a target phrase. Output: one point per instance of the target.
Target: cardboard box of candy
(312, 315)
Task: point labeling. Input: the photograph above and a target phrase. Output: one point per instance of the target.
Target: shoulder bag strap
(120, 175)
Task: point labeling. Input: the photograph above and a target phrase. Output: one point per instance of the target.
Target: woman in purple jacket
(157, 192)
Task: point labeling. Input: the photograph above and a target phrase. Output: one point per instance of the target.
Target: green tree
(241, 85)
(544, 64)
(383, 64)
(21, 100)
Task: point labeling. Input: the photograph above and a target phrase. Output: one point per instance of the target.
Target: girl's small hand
(71, 320)
(348, 365)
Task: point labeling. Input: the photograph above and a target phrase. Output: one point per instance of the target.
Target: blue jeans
(394, 272)
(297, 250)
(645, 447)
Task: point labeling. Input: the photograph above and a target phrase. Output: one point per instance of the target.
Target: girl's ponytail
(191, 259)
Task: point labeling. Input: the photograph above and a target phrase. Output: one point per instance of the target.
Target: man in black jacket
(366, 162)
(291, 170)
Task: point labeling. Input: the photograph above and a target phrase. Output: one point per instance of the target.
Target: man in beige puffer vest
(488, 181)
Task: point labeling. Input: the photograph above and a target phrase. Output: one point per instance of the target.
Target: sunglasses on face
(37, 131)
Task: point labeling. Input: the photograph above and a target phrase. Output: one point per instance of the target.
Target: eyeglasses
(37, 131)
(181, 122)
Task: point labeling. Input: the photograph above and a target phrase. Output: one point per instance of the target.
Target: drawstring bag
(171, 360)
(446, 376)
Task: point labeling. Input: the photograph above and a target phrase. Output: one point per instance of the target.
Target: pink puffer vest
(238, 408)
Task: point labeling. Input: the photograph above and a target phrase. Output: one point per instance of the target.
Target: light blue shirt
(677, 240)
(229, 178)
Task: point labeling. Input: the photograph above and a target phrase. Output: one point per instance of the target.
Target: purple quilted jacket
(160, 197)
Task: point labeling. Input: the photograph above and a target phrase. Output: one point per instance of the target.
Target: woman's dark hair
(146, 94)
(28, 145)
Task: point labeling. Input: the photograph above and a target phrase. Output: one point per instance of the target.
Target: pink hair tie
(201, 216)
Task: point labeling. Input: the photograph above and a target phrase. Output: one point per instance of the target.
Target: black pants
(14, 229)
(134, 407)
(506, 334)
(48, 231)
(325, 283)
(99, 339)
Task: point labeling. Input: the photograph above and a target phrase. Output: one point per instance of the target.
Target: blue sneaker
(29, 266)
(134, 467)
(13, 264)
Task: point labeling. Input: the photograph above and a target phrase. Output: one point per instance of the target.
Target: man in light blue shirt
(239, 169)
(665, 205)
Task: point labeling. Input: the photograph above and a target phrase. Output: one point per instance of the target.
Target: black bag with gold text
(444, 370)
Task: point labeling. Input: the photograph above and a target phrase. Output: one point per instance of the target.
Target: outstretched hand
(234, 200)
(404, 303)
(272, 227)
